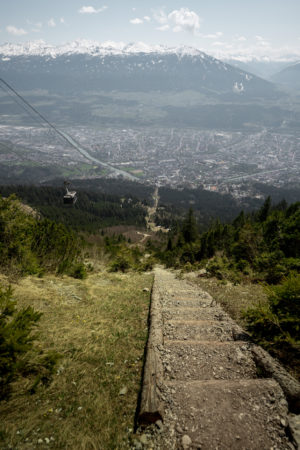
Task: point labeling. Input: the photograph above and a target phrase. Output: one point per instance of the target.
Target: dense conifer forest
(92, 211)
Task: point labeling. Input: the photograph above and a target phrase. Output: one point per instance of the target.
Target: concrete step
(202, 330)
(190, 302)
(223, 415)
(194, 313)
(206, 360)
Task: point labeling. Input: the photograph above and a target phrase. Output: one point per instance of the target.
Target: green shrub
(146, 265)
(79, 271)
(121, 263)
(214, 269)
(277, 324)
(30, 245)
(18, 355)
(16, 339)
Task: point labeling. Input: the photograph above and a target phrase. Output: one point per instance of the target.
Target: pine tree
(189, 228)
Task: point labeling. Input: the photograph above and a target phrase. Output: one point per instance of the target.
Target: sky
(266, 29)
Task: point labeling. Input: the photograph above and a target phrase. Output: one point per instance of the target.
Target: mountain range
(134, 67)
(85, 82)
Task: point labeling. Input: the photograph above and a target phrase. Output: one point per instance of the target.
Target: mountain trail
(201, 386)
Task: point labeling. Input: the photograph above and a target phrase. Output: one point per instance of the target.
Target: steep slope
(289, 77)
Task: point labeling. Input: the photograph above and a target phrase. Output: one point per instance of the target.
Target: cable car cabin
(70, 197)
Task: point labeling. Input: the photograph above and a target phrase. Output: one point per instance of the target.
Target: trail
(151, 214)
(201, 377)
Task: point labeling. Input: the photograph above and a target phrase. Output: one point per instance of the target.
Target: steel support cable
(21, 104)
(37, 112)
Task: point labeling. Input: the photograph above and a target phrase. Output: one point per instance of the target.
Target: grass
(99, 326)
(235, 299)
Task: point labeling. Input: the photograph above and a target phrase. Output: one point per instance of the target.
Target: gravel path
(210, 393)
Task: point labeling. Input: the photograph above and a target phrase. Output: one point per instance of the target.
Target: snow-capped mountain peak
(93, 48)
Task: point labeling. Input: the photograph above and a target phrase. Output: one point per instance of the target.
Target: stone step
(202, 330)
(190, 302)
(235, 415)
(216, 313)
(205, 360)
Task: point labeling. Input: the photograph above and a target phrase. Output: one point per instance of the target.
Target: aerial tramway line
(70, 197)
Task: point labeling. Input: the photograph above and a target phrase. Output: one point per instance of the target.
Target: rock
(159, 425)
(186, 441)
(146, 290)
(202, 273)
(123, 391)
(40, 441)
(137, 444)
(47, 440)
(144, 439)
(294, 426)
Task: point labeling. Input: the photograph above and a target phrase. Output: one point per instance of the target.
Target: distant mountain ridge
(85, 65)
(92, 48)
(289, 77)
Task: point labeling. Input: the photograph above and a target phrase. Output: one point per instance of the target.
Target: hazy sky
(220, 27)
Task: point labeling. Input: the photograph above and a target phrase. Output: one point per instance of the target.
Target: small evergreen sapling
(16, 339)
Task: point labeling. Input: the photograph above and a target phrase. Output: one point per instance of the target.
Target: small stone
(137, 445)
(146, 290)
(123, 391)
(179, 429)
(144, 439)
(47, 440)
(40, 441)
(283, 422)
(159, 425)
(186, 441)
(79, 408)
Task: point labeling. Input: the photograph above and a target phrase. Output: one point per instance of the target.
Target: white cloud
(163, 27)
(241, 39)
(136, 21)
(184, 19)
(147, 18)
(217, 44)
(91, 10)
(62, 20)
(51, 23)
(11, 29)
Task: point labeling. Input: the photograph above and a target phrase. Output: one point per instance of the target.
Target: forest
(207, 206)
(92, 212)
(261, 247)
